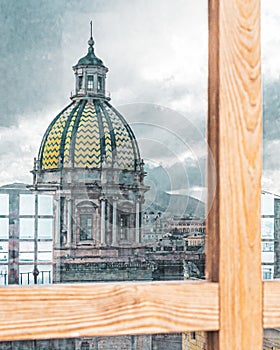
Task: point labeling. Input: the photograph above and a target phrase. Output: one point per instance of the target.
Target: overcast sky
(156, 51)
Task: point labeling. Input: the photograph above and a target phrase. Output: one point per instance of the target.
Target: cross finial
(91, 29)
(91, 41)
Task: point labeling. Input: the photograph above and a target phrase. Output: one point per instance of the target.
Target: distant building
(195, 240)
(270, 231)
(26, 236)
(270, 234)
(186, 225)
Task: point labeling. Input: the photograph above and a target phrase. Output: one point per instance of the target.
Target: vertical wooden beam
(234, 135)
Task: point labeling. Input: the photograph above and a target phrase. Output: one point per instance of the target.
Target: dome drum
(90, 82)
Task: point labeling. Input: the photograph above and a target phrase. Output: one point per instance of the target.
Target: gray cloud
(142, 42)
(30, 46)
(41, 40)
(271, 127)
(271, 110)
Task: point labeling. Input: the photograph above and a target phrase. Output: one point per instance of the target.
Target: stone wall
(153, 270)
(96, 343)
(197, 340)
(102, 272)
(167, 341)
(194, 341)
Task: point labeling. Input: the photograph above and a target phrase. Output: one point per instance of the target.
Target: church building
(89, 159)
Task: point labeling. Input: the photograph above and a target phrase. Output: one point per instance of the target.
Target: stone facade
(277, 238)
(140, 342)
(97, 343)
(131, 265)
(167, 341)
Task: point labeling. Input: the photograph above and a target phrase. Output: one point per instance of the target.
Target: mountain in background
(172, 189)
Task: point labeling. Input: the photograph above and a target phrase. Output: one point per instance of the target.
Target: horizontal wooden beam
(107, 309)
(62, 311)
(271, 304)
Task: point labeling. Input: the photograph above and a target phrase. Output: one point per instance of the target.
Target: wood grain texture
(61, 311)
(235, 138)
(271, 305)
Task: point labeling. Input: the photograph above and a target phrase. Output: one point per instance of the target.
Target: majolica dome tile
(86, 133)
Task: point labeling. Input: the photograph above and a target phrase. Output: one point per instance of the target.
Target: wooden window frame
(234, 304)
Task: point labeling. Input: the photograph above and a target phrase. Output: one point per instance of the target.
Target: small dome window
(100, 84)
(90, 82)
(80, 82)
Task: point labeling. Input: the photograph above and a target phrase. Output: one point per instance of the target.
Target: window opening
(90, 82)
(99, 84)
(85, 227)
(80, 82)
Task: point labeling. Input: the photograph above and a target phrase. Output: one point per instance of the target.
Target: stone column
(64, 221)
(103, 221)
(137, 222)
(85, 81)
(97, 222)
(57, 220)
(69, 222)
(77, 81)
(114, 238)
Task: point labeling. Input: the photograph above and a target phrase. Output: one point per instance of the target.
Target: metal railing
(27, 278)
(3, 279)
(90, 92)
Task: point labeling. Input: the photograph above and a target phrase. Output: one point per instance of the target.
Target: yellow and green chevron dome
(86, 133)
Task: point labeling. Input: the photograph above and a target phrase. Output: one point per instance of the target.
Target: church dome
(87, 133)
(90, 59)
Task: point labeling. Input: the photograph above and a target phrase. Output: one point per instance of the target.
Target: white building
(268, 212)
(20, 251)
